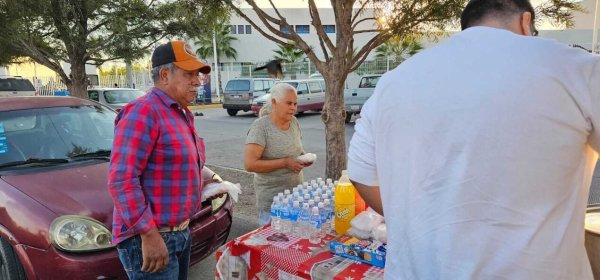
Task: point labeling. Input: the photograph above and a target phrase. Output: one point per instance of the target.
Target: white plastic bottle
(330, 220)
(315, 226)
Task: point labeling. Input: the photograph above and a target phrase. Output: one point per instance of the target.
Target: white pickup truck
(355, 98)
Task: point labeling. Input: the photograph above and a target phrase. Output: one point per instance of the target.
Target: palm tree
(398, 49)
(224, 48)
(289, 55)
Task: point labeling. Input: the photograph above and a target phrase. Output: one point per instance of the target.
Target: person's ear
(273, 101)
(526, 24)
(163, 74)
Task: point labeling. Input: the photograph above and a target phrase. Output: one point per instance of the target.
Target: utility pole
(215, 56)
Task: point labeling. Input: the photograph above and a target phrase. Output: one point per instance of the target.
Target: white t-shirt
(484, 150)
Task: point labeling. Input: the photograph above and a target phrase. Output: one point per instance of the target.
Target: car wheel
(232, 112)
(10, 266)
(348, 117)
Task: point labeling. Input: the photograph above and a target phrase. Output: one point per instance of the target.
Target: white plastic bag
(361, 234)
(307, 158)
(213, 189)
(380, 233)
(367, 220)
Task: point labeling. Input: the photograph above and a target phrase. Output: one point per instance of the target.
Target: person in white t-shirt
(480, 152)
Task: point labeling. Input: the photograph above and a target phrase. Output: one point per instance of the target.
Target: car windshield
(238, 85)
(122, 96)
(35, 136)
(12, 84)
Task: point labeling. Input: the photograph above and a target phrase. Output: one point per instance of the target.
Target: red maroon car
(55, 209)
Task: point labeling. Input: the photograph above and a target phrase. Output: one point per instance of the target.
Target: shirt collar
(168, 101)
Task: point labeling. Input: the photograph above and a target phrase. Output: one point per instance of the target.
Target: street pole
(215, 55)
(595, 33)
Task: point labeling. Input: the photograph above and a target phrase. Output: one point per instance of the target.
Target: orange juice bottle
(344, 204)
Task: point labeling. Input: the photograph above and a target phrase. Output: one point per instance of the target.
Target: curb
(207, 106)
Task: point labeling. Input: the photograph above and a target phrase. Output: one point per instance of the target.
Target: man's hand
(294, 164)
(155, 255)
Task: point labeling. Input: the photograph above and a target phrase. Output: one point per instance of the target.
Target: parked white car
(355, 98)
(115, 98)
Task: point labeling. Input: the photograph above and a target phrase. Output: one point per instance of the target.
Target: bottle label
(343, 214)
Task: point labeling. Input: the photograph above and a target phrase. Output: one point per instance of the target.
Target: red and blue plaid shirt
(154, 173)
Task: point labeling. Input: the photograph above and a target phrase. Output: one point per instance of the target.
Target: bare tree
(380, 18)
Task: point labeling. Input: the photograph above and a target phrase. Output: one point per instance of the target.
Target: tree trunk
(333, 116)
(128, 74)
(78, 85)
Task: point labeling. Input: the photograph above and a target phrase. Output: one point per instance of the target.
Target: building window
(284, 30)
(329, 28)
(240, 29)
(302, 29)
(248, 29)
(232, 29)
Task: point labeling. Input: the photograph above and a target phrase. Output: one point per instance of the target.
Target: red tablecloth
(265, 254)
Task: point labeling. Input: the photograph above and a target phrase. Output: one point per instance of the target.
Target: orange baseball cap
(180, 54)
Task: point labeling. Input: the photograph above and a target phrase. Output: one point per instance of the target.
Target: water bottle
(330, 220)
(286, 192)
(294, 212)
(280, 195)
(305, 184)
(323, 221)
(304, 221)
(319, 180)
(317, 199)
(275, 221)
(311, 203)
(315, 226)
(284, 210)
(328, 181)
(306, 197)
(313, 182)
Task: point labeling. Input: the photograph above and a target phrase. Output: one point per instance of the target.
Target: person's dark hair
(478, 10)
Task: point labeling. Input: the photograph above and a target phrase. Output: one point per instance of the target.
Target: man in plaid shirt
(157, 168)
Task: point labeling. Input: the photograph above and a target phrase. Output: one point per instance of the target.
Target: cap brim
(190, 65)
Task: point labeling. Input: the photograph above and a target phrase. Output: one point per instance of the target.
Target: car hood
(80, 190)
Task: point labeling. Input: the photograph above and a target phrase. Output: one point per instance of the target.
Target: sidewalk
(206, 106)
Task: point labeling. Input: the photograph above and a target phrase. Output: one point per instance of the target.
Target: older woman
(273, 143)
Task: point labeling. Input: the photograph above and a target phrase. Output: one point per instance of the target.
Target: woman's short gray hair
(155, 72)
(278, 90)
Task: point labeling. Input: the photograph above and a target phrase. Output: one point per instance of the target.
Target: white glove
(213, 189)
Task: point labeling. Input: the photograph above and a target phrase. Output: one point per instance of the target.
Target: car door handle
(308, 98)
(354, 94)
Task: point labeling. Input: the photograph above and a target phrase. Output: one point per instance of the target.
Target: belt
(181, 227)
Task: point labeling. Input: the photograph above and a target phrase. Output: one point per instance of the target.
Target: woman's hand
(294, 164)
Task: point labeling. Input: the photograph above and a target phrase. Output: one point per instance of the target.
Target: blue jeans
(179, 246)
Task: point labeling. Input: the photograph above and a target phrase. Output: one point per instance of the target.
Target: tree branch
(362, 7)
(364, 51)
(323, 38)
(370, 31)
(362, 20)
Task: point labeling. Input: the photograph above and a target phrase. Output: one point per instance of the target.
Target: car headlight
(218, 202)
(79, 234)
